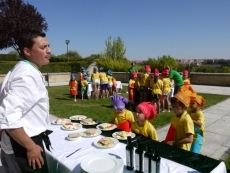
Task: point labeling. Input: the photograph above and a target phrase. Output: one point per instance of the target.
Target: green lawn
(62, 105)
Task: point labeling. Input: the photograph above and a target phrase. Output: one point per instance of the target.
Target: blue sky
(183, 29)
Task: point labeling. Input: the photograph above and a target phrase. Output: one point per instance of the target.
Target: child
(73, 86)
(112, 84)
(103, 82)
(122, 117)
(157, 87)
(166, 91)
(145, 111)
(137, 89)
(198, 119)
(89, 87)
(181, 131)
(131, 87)
(144, 84)
(96, 83)
(185, 77)
(84, 84)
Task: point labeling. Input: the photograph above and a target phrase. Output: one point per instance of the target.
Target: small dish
(60, 121)
(108, 142)
(122, 135)
(77, 117)
(73, 136)
(71, 126)
(89, 133)
(106, 126)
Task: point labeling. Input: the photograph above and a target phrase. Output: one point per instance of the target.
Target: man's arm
(33, 150)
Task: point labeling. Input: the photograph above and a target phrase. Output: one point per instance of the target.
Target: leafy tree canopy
(115, 49)
(162, 62)
(15, 18)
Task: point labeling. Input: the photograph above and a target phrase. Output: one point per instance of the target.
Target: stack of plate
(102, 163)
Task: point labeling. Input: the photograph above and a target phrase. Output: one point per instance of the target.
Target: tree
(162, 62)
(115, 49)
(15, 18)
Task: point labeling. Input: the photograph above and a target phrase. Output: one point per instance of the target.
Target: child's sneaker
(75, 100)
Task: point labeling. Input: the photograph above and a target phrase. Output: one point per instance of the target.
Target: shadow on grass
(108, 106)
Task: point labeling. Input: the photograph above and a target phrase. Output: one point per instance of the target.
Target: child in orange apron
(121, 117)
(73, 87)
(145, 111)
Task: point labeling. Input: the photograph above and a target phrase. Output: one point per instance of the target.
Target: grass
(62, 105)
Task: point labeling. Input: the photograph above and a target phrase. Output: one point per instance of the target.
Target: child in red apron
(145, 111)
(181, 130)
(73, 86)
(121, 117)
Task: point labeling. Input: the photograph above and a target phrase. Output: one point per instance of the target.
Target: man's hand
(34, 157)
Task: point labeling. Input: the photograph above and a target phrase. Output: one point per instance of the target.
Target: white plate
(102, 163)
(102, 146)
(77, 117)
(64, 120)
(115, 135)
(88, 124)
(79, 126)
(108, 129)
(73, 139)
(91, 136)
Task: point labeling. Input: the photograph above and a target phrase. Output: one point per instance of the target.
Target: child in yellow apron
(145, 111)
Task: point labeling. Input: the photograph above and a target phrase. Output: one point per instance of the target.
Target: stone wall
(214, 79)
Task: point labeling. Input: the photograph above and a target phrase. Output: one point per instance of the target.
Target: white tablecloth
(58, 163)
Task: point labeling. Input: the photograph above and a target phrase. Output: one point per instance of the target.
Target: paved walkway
(217, 117)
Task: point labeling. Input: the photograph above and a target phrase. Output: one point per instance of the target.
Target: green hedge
(53, 67)
(8, 57)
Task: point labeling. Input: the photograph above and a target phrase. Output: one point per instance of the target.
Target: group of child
(150, 87)
(100, 80)
(187, 124)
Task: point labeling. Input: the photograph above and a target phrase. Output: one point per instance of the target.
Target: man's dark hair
(26, 39)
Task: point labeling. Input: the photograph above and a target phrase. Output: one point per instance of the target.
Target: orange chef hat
(148, 109)
(199, 99)
(184, 97)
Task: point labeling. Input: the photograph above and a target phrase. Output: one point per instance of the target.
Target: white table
(58, 163)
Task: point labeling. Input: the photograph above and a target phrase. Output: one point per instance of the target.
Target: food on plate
(106, 142)
(61, 121)
(123, 134)
(88, 121)
(71, 125)
(74, 135)
(106, 126)
(90, 132)
(78, 117)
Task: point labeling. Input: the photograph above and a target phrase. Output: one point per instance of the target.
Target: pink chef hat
(156, 72)
(148, 109)
(185, 72)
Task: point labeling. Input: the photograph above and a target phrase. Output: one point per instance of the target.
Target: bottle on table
(139, 153)
(155, 162)
(147, 159)
(129, 154)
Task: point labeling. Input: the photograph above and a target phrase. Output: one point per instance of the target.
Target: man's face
(39, 54)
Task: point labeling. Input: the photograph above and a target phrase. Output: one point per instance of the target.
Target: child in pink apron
(121, 117)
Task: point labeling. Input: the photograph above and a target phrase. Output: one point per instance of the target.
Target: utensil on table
(73, 152)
